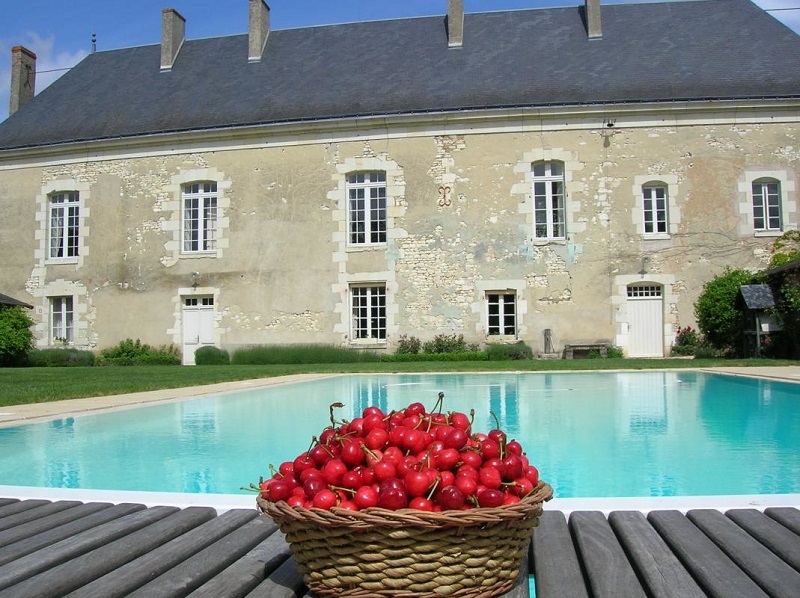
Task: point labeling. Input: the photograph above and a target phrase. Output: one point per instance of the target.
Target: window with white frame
(654, 208)
(501, 311)
(61, 320)
(199, 217)
(368, 308)
(767, 205)
(64, 224)
(549, 202)
(366, 210)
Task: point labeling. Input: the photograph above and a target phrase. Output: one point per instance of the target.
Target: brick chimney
(455, 23)
(592, 15)
(258, 30)
(173, 32)
(23, 78)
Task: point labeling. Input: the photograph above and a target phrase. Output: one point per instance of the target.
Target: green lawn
(37, 385)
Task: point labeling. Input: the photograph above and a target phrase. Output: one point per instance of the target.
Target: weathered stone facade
(459, 227)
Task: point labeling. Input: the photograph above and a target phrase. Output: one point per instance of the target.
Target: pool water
(639, 434)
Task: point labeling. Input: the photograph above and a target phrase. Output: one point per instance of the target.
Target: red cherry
(514, 447)
(491, 498)
(421, 504)
(287, 469)
(278, 490)
(490, 477)
(391, 495)
(303, 461)
(532, 474)
(384, 470)
(352, 480)
(376, 439)
(512, 467)
(456, 439)
(468, 486)
(347, 505)
(333, 471)
(352, 454)
(471, 458)
(320, 454)
(414, 409)
(295, 501)
(416, 483)
(312, 486)
(324, 499)
(372, 410)
(446, 458)
(490, 448)
(451, 498)
(366, 497)
(460, 421)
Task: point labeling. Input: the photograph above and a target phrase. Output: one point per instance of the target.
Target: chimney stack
(259, 29)
(23, 78)
(455, 23)
(173, 32)
(592, 14)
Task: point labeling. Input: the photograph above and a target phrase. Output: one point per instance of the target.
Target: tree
(16, 337)
(717, 317)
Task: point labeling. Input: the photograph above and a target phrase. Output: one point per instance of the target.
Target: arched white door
(645, 320)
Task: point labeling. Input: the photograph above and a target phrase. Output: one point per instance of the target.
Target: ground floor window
(645, 290)
(502, 314)
(368, 308)
(61, 320)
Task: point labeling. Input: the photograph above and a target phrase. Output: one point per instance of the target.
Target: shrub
(686, 341)
(707, 351)
(289, 354)
(134, 352)
(518, 350)
(408, 345)
(443, 343)
(16, 337)
(717, 317)
(615, 353)
(66, 357)
(211, 356)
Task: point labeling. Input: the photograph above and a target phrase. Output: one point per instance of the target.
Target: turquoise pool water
(641, 434)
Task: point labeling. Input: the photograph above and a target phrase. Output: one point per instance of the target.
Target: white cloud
(50, 64)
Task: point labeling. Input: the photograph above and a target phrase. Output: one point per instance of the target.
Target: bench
(569, 350)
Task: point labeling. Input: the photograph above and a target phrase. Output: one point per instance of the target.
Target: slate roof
(652, 52)
(755, 296)
(6, 300)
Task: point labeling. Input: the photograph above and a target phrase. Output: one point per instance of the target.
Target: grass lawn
(38, 385)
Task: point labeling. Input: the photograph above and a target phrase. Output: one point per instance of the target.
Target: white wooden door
(198, 325)
(645, 321)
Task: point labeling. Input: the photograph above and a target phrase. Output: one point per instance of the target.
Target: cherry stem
(368, 451)
(331, 408)
(439, 403)
(433, 487)
(496, 419)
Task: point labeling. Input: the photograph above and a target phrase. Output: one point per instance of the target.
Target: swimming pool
(636, 434)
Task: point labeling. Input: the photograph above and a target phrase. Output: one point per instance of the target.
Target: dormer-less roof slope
(672, 51)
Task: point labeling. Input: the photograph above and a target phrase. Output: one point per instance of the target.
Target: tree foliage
(16, 336)
(717, 317)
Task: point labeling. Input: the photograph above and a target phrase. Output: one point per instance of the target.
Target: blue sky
(59, 31)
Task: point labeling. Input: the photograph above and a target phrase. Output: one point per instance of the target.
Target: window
(200, 217)
(502, 314)
(366, 193)
(369, 312)
(766, 205)
(548, 200)
(64, 224)
(654, 207)
(644, 291)
(61, 320)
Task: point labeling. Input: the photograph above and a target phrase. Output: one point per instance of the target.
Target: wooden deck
(81, 550)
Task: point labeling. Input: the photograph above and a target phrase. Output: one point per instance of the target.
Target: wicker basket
(408, 553)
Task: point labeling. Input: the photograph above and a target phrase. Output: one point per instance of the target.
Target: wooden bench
(569, 350)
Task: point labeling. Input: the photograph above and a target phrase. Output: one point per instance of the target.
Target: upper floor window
(549, 205)
(368, 307)
(501, 314)
(654, 208)
(767, 205)
(366, 211)
(199, 217)
(64, 224)
(61, 320)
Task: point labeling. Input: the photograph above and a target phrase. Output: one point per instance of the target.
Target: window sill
(501, 339)
(542, 241)
(366, 247)
(368, 343)
(199, 253)
(656, 237)
(768, 233)
(59, 261)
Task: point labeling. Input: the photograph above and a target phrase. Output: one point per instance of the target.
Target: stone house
(577, 171)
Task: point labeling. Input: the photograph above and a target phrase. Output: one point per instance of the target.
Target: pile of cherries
(430, 461)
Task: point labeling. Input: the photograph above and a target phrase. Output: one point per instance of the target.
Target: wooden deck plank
(716, 573)
(36, 513)
(660, 570)
(146, 568)
(51, 556)
(788, 517)
(285, 582)
(557, 571)
(48, 522)
(243, 576)
(18, 506)
(204, 565)
(609, 572)
(780, 540)
(775, 577)
(42, 539)
(75, 573)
